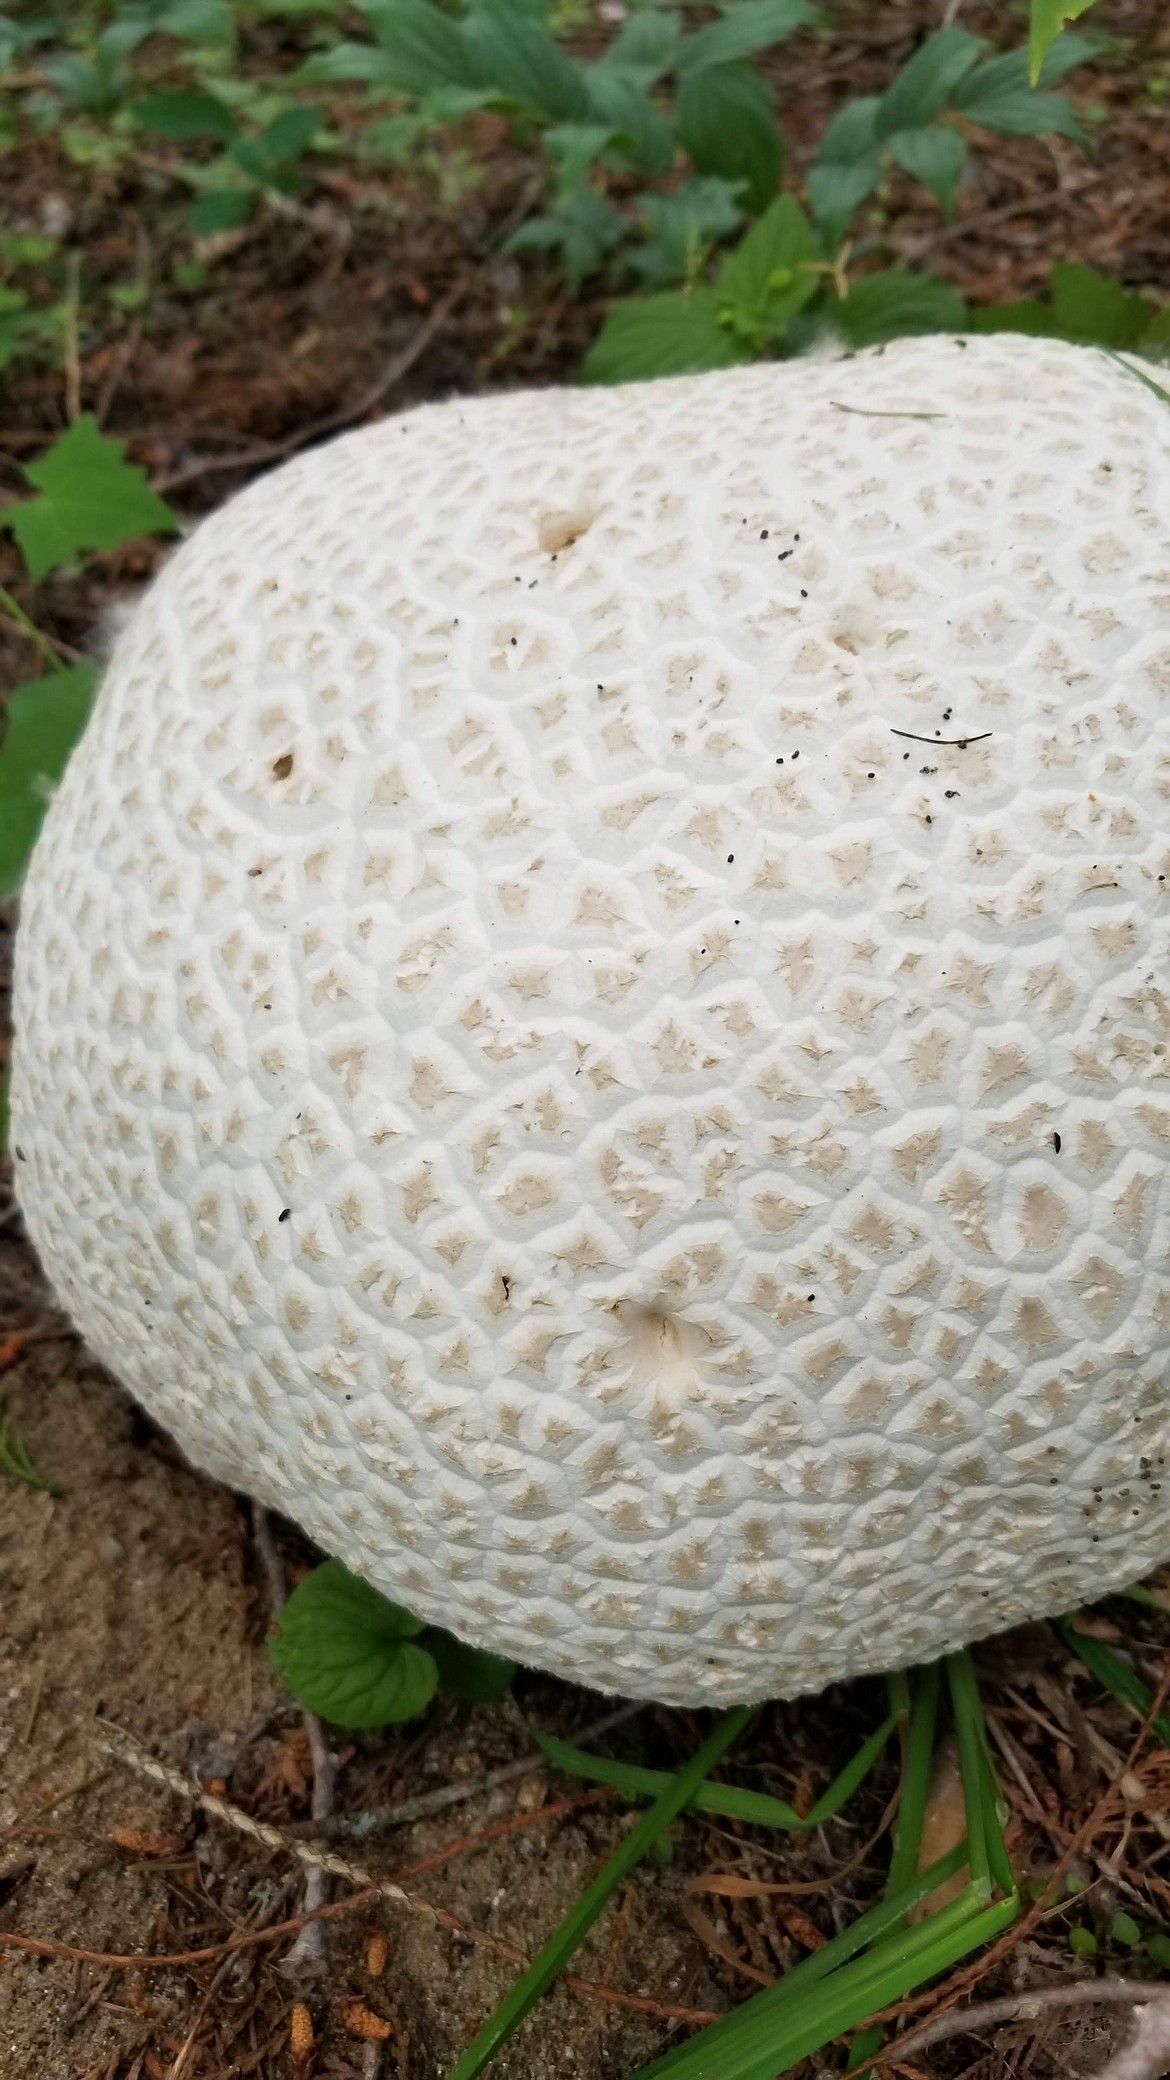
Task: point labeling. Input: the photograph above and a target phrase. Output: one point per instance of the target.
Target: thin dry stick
(332, 422)
(70, 333)
(428, 1803)
(308, 1952)
(1029, 2007)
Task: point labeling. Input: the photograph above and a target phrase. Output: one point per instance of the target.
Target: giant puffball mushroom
(591, 1009)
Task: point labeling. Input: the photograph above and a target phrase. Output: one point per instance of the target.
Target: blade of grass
(732, 1800)
(800, 2014)
(1114, 1675)
(16, 1459)
(918, 1700)
(1138, 1594)
(986, 1813)
(577, 1923)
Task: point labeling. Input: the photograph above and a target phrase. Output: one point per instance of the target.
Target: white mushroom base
(592, 1019)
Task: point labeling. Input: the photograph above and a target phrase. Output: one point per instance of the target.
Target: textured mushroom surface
(592, 1018)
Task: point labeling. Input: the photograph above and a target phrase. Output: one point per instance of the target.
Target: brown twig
(331, 422)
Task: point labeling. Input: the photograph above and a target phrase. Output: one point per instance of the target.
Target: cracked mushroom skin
(591, 1011)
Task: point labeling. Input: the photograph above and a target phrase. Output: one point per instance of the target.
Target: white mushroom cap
(592, 1017)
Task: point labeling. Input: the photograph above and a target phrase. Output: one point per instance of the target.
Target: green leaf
(1125, 1930)
(426, 48)
(676, 333)
(769, 275)
(289, 134)
(45, 720)
(521, 61)
(221, 209)
(935, 157)
(1093, 308)
(574, 148)
(1027, 315)
(1158, 1951)
(1114, 1675)
(197, 21)
(467, 1672)
(645, 45)
(556, 1953)
(186, 114)
(617, 97)
(998, 96)
(348, 1653)
(364, 61)
(748, 26)
(683, 226)
(848, 166)
(1048, 18)
(895, 303)
(918, 93)
(1082, 1942)
(89, 497)
(723, 118)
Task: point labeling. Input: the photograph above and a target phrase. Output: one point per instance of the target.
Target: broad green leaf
(289, 134)
(769, 275)
(574, 148)
(852, 134)
(197, 21)
(918, 93)
(365, 61)
(186, 114)
(724, 119)
(522, 62)
(348, 1653)
(617, 97)
(645, 45)
(836, 186)
(1027, 315)
(1093, 308)
(894, 303)
(1048, 19)
(674, 334)
(467, 1672)
(998, 96)
(748, 26)
(45, 719)
(88, 497)
(934, 156)
(426, 47)
(221, 209)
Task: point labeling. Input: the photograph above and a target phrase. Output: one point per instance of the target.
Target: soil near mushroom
(135, 1596)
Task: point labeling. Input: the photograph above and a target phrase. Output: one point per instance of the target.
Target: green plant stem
(1114, 1675)
(577, 1923)
(917, 1706)
(15, 612)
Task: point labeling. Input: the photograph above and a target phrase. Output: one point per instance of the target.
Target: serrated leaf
(676, 333)
(348, 1653)
(185, 114)
(683, 226)
(769, 275)
(425, 47)
(45, 719)
(894, 304)
(749, 26)
(522, 62)
(467, 1672)
(89, 497)
(934, 156)
(723, 119)
(918, 93)
(1048, 19)
(617, 97)
(998, 95)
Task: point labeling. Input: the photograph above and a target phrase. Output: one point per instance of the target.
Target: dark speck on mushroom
(286, 1214)
(1056, 1143)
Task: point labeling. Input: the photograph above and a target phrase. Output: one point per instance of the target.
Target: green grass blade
(577, 1923)
(16, 1459)
(800, 2014)
(920, 1732)
(756, 1807)
(1114, 1675)
(986, 1813)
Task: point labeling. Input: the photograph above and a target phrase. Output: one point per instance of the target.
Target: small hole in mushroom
(282, 766)
(559, 530)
